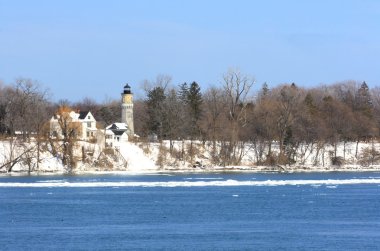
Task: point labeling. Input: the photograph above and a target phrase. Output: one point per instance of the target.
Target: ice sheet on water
(51, 181)
(331, 187)
(217, 178)
(198, 183)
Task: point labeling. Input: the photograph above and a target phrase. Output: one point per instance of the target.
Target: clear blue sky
(91, 48)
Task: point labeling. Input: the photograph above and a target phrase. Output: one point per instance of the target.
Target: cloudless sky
(79, 48)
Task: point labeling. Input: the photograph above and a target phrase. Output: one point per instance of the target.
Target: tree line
(226, 117)
(230, 117)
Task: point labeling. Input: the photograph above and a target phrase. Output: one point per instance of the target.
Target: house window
(88, 124)
(88, 134)
(89, 117)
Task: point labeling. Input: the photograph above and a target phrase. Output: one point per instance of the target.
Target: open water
(324, 211)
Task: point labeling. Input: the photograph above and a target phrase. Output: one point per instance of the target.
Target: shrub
(145, 147)
(162, 156)
(369, 156)
(337, 161)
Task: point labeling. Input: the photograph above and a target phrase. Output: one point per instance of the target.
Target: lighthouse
(127, 109)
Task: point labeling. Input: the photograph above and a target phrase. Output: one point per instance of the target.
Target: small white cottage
(116, 133)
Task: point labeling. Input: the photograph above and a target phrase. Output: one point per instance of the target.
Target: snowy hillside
(152, 157)
(136, 159)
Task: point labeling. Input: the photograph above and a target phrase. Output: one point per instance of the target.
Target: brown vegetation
(224, 120)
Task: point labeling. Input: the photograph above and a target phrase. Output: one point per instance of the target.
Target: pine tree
(364, 101)
(183, 92)
(194, 103)
(191, 99)
(264, 90)
(310, 105)
(155, 110)
(194, 100)
(3, 113)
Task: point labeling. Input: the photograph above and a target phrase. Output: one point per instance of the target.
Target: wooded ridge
(227, 117)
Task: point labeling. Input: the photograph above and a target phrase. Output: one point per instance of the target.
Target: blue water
(204, 217)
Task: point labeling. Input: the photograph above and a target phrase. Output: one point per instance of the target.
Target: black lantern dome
(127, 89)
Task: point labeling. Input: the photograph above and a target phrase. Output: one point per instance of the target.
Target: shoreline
(216, 170)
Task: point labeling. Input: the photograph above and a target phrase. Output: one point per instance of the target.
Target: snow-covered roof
(74, 115)
(117, 126)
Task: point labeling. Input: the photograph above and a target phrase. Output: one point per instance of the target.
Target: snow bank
(135, 157)
(142, 158)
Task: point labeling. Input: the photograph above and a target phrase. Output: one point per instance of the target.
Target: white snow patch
(135, 157)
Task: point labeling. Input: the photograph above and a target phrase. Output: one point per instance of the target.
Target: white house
(85, 124)
(117, 133)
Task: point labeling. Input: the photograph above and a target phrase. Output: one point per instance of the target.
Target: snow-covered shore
(217, 169)
(142, 158)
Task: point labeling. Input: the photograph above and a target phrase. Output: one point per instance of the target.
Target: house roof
(118, 126)
(79, 116)
(118, 133)
(82, 115)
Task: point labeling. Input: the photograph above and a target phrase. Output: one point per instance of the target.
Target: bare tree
(87, 104)
(25, 111)
(69, 131)
(288, 97)
(173, 117)
(161, 80)
(214, 107)
(237, 88)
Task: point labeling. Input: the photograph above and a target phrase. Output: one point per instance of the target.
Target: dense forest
(226, 116)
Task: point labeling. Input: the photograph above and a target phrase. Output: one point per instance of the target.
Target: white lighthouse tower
(127, 109)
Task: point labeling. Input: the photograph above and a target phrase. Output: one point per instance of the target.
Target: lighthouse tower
(127, 109)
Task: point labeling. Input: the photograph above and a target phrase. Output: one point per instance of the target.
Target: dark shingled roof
(82, 115)
(118, 133)
(113, 127)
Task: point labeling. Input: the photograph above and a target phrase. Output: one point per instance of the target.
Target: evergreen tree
(155, 110)
(363, 100)
(195, 101)
(264, 91)
(191, 99)
(310, 105)
(183, 93)
(3, 112)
